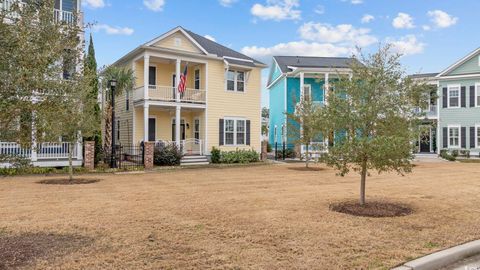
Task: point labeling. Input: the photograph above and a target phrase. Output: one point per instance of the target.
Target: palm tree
(125, 82)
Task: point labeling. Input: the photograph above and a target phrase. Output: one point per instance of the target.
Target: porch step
(194, 160)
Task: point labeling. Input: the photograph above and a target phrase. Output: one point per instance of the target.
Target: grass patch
(469, 160)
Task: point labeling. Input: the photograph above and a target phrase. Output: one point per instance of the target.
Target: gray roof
(423, 75)
(220, 50)
(312, 62)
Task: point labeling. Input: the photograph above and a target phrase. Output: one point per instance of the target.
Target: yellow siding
(223, 104)
(125, 117)
(165, 73)
(185, 44)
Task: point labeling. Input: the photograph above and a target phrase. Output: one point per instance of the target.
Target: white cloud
(297, 48)
(426, 27)
(94, 3)
(227, 3)
(320, 9)
(403, 21)
(209, 37)
(342, 33)
(154, 5)
(407, 45)
(441, 19)
(113, 30)
(367, 18)
(354, 2)
(277, 10)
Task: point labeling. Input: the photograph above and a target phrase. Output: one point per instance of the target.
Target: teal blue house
(292, 77)
(454, 116)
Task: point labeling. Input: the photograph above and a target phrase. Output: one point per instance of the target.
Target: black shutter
(248, 132)
(472, 137)
(463, 137)
(463, 96)
(445, 137)
(445, 97)
(220, 132)
(472, 96)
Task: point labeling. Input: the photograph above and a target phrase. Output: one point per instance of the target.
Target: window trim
(235, 85)
(235, 119)
(309, 86)
(459, 136)
(477, 94)
(156, 77)
(459, 95)
(195, 79)
(194, 128)
(477, 134)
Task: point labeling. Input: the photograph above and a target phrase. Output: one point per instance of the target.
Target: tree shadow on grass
(375, 209)
(305, 169)
(19, 250)
(62, 181)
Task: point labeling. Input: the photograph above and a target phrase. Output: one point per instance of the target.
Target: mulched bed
(376, 209)
(305, 169)
(22, 250)
(75, 181)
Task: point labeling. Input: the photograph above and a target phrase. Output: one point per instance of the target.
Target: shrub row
(237, 156)
(446, 155)
(167, 154)
(38, 170)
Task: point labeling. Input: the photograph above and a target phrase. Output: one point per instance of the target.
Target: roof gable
(177, 39)
(470, 64)
(284, 62)
(274, 73)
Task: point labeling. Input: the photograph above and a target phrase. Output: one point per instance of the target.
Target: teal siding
(275, 73)
(277, 110)
(464, 117)
(471, 66)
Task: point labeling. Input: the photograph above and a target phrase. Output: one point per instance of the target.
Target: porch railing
(314, 149)
(188, 146)
(44, 151)
(58, 15)
(168, 93)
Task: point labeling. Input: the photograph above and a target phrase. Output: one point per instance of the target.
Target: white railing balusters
(167, 93)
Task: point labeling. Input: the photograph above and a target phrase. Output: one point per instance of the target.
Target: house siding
(471, 66)
(465, 117)
(277, 110)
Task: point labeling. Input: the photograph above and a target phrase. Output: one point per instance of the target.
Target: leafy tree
(265, 115)
(43, 89)
(376, 110)
(305, 124)
(125, 82)
(91, 71)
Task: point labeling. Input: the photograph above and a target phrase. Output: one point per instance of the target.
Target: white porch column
(145, 122)
(79, 146)
(327, 87)
(302, 83)
(146, 68)
(177, 125)
(177, 78)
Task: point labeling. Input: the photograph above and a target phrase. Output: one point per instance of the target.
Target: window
(477, 94)
(454, 96)
(477, 136)
(453, 137)
(235, 131)
(152, 76)
(127, 100)
(178, 42)
(196, 129)
(197, 78)
(235, 81)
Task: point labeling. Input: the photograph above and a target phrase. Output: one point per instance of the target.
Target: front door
(152, 126)
(182, 131)
(425, 143)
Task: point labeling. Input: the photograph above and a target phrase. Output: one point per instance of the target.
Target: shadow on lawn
(305, 169)
(24, 249)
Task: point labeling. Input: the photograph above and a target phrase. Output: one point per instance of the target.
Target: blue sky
(431, 33)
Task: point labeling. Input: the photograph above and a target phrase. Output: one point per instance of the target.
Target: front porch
(157, 123)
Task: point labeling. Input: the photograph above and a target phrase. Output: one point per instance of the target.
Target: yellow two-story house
(220, 107)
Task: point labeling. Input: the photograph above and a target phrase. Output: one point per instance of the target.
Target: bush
(237, 156)
(167, 155)
(454, 153)
(465, 153)
(289, 153)
(215, 155)
(269, 148)
(445, 155)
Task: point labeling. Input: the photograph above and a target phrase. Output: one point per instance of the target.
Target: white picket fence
(48, 153)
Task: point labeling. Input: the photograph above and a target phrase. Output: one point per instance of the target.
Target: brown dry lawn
(259, 217)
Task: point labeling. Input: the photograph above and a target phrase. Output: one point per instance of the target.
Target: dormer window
(178, 42)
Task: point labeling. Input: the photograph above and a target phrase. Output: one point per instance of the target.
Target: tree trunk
(307, 157)
(363, 181)
(70, 163)
(108, 127)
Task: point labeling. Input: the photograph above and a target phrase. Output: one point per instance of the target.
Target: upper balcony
(59, 15)
(161, 73)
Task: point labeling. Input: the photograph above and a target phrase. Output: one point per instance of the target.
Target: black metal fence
(125, 156)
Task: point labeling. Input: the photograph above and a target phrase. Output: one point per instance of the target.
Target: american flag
(183, 81)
